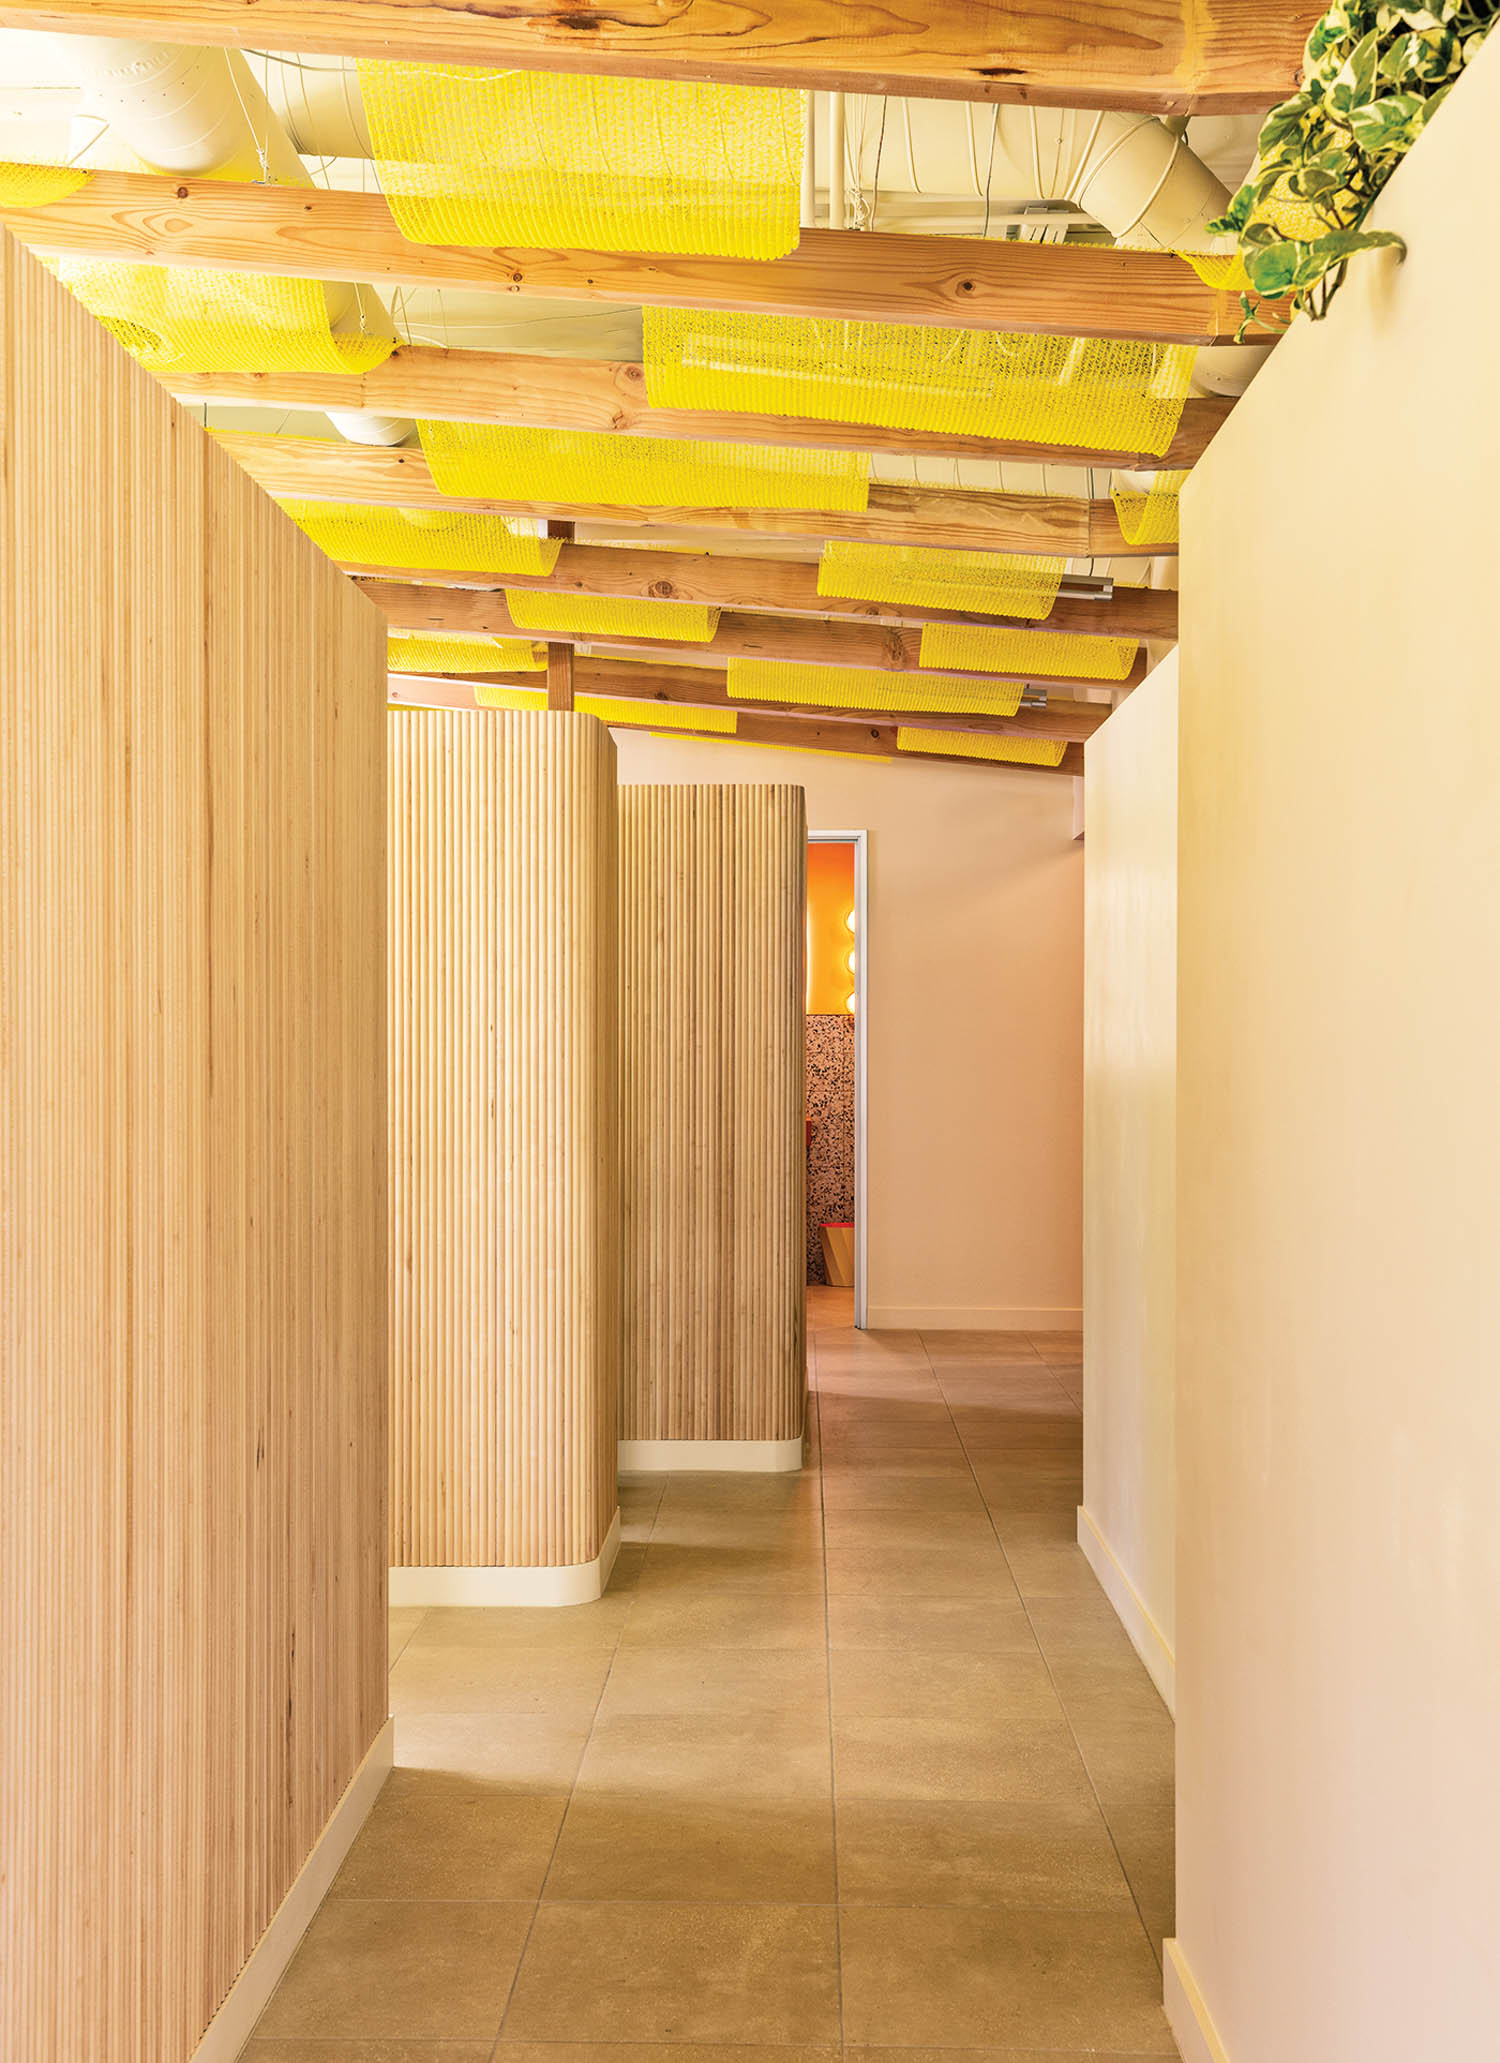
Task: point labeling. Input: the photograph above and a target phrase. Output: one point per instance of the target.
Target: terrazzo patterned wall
(830, 1157)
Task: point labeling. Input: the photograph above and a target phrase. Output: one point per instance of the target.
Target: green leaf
(1272, 270)
(1391, 123)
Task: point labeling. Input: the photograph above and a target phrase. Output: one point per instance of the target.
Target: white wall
(1338, 1606)
(1127, 1524)
(975, 1009)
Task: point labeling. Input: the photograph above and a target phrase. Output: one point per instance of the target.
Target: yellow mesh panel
(432, 539)
(989, 583)
(556, 160)
(866, 687)
(623, 616)
(1225, 267)
(490, 462)
(1026, 652)
(982, 383)
(461, 652)
(828, 751)
(1150, 518)
(491, 695)
(625, 709)
(971, 745)
(181, 319)
(33, 186)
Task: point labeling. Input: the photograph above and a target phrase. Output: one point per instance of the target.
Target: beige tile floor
(844, 1763)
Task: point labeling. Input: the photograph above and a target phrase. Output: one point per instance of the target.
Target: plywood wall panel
(504, 1147)
(712, 923)
(192, 1182)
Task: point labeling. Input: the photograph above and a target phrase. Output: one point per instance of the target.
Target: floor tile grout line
(1062, 1704)
(562, 1823)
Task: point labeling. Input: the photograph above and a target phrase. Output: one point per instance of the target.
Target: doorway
(838, 1031)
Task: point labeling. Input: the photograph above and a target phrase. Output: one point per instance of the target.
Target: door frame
(860, 840)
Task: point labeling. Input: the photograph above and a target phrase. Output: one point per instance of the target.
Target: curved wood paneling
(504, 1147)
(712, 918)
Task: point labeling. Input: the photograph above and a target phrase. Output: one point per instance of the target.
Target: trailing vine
(1374, 78)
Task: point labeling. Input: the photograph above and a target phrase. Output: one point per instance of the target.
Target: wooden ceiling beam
(602, 396)
(783, 587)
(317, 468)
(1164, 56)
(799, 641)
(708, 687)
(874, 276)
(815, 731)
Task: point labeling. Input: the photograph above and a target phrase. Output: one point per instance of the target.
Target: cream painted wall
(1339, 1169)
(975, 1012)
(1127, 1525)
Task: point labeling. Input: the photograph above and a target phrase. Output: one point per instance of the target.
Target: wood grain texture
(609, 397)
(712, 917)
(1051, 525)
(1166, 56)
(192, 1190)
(871, 275)
(738, 636)
(504, 1149)
(787, 587)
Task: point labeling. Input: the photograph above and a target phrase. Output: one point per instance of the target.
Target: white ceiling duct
(197, 111)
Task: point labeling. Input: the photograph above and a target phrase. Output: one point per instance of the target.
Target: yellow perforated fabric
(971, 745)
(461, 652)
(1026, 652)
(432, 539)
(625, 616)
(557, 160)
(491, 695)
(33, 186)
(989, 583)
(866, 687)
(492, 462)
(1150, 518)
(1086, 391)
(182, 319)
(669, 715)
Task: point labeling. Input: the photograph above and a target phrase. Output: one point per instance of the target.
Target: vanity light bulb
(849, 921)
(849, 962)
(849, 1004)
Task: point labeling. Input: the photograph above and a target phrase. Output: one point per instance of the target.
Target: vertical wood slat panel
(712, 929)
(504, 1041)
(192, 1185)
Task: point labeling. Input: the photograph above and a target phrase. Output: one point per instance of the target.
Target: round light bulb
(849, 1004)
(849, 921)
(849, 962)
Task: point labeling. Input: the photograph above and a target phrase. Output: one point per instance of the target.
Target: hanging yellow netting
(491, 462)
(603, 616)
(457, 651)
(33, 186)
(183, 319)
(1026, 652)
(1150, 518)
(643, 711)
(867, 687)
(972, 745)
(491, 695)
(989, 583)
(1108, 396)
(560, 161)
(1224, 266)
(433, 539)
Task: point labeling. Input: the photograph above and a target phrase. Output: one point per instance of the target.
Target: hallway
(856, 1759)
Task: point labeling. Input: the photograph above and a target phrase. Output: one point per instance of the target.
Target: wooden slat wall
(504, 1142)
(712, 931)
(192, 1198)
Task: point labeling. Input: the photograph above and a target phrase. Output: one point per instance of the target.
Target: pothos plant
(1374, 77)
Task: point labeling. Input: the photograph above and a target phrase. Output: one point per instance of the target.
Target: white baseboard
(1146, 1637)
(739, 1457)
(575, 1583)
(959, 1318)
(1187, 2015)
(249, 1995)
